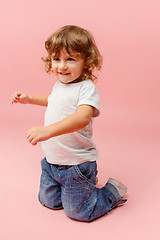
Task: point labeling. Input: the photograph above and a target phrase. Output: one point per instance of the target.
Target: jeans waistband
(63, 167)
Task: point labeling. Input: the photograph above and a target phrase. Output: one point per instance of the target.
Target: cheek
(81, 70)
(78, 70)
(54, 69)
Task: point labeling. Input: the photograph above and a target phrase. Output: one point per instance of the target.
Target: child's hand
(37, 134)
(19, 97)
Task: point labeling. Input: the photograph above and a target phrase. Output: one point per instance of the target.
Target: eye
(71, 59)
(56, 59)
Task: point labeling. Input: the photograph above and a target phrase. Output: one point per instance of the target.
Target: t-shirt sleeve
(89, 96)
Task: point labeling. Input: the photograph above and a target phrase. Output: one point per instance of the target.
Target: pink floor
(127, 133)
(129, 151)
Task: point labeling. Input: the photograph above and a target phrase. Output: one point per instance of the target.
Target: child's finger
(32, 140)
(28, 135)
(15, 97)
(14, 100)
(18, 94)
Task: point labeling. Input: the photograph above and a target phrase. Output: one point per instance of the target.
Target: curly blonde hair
(75, 40)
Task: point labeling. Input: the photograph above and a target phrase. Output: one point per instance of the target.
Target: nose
(63, 65)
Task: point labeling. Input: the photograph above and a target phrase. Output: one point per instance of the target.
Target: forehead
(67, 53)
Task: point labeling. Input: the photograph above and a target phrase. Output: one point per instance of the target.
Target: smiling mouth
(64, 73)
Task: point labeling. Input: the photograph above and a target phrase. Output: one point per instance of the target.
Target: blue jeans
(73, 188)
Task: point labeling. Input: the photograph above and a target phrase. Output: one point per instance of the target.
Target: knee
(49, 202)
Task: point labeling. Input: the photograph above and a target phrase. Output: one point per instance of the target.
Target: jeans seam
(79, 207)
(83, 177)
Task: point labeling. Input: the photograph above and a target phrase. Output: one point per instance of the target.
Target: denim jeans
(73, 188)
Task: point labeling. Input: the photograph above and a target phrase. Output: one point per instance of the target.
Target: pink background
(127, 132)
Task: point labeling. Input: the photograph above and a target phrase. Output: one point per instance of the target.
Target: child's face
(67, 68)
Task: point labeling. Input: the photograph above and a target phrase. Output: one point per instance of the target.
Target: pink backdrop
(127, 132)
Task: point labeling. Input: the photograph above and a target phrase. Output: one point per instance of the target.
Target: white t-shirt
(77, 147)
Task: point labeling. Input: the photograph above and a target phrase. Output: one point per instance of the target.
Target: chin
(63, 81)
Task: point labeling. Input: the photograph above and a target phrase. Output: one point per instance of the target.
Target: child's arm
(23, 98)
(72, 123)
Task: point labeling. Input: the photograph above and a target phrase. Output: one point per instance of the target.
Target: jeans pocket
(43, 162)
(89, 170)
(76, 192)
(85, 174)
